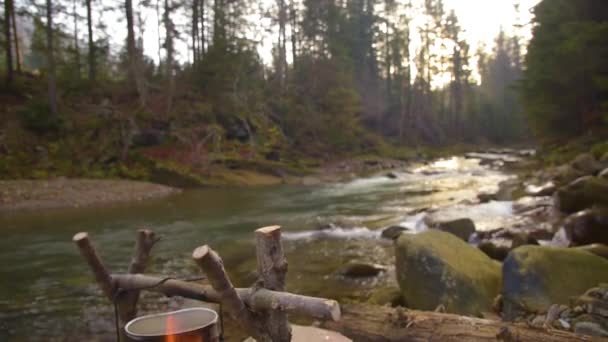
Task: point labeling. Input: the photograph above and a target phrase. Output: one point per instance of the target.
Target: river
(47, 293)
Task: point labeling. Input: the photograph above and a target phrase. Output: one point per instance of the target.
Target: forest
(309, 170)
(344, 78)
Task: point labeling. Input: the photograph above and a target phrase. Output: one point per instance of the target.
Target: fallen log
(384, 324)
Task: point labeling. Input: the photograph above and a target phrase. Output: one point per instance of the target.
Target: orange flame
(172, 329)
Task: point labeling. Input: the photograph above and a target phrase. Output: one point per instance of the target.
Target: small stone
(554, 311)
(564, 324)
(538, 321)
(362, 270)
(392, 175)
(486, 197)
(393, 232)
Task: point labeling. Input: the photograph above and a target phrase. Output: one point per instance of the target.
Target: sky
(482, 19)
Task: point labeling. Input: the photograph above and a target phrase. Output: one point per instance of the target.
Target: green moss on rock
(582, 194)
(436, 268)
(536, 277)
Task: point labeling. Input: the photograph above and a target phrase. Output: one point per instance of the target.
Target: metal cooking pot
(187, 325)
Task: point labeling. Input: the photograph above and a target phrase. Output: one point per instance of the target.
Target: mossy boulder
(437, 268)
(581, 194)
(588, 226)
(463, 228)
(586, 163)
(597, 249)
(536, 277)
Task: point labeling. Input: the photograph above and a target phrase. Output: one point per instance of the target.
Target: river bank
(76, 193)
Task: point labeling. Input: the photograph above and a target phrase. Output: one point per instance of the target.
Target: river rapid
(47, 293)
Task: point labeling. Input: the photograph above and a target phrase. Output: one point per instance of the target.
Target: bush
(36, 117)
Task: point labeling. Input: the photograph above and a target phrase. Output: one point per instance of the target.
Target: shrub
(36, 117)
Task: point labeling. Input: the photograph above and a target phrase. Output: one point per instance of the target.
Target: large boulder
(581, 194)
(586, 163)
(597, 249)
(536, 277)
(437, 268)
(463, 228)
(587, 227)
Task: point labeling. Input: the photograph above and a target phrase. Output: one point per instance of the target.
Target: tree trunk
(195, 33)
(169, 62)
(294, 27)
(202, 36)
(282, 72)
(76, 45)
(135, 77)
(8, 7)
(384, 324)
(52, 85)
(92, 64)
(16, 39)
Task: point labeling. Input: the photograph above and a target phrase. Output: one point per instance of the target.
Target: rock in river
(362, 270)
(546, 189)
(436, 268)
(586, 163)
(393, 232)
(588, 226)
(566, 173)
(463, 228)
(536, 277)
(582, 194)
(499, 247)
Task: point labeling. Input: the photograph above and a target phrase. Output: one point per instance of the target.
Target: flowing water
(47, 293)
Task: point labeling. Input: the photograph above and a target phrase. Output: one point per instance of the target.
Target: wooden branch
(258, 300)
(377, 323)
(213, 267)
(272, 268)
(102, 276)
(272, 264)
(320, 308)
(143, 246)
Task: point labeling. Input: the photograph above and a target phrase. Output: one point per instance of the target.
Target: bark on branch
(143, 246)
(213, 267)
(272, 268)
(256, 299)
(102, 276)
